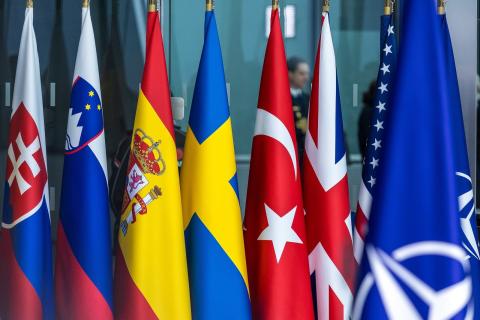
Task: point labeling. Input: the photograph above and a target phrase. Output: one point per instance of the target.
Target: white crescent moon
(269, 125)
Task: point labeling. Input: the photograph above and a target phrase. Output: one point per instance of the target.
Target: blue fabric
(463, 179)
(84, 210)
(339, 139)
(390, 60)
(218, 290)
(32, 246)
(414, 226)
(91, 120)
(85, 218)
(210, 105)
(234, 184)
(217, 287)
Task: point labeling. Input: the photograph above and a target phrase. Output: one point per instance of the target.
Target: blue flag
(466, 202)
(368, 187)
(414, 264)
(211, 210)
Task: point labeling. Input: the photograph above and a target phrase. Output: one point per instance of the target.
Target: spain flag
(151, 277)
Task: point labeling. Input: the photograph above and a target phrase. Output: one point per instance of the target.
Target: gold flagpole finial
(85, 3)
(152, 5)
(275, 4)
(441, 7)
(387, 10)
(210, 5)
(29, 4)
(326, 6)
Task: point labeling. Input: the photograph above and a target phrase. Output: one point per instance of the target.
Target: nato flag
(414, 265)
(466, 202)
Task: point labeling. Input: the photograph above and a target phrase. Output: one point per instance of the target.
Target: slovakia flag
(26, 279)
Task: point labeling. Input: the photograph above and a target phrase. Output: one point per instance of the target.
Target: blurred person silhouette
(299, 77)
(365, 117)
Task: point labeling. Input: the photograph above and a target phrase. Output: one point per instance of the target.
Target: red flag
(275, 233)
(327, 207)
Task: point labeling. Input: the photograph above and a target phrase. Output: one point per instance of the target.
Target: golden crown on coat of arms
(147, 152)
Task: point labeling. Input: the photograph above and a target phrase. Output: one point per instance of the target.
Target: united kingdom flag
(388, 58)
(330, 245)
(26, 285)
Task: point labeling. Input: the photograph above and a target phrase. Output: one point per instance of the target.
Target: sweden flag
(211, 210)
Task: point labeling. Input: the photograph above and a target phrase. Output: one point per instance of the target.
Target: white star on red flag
(279, 230)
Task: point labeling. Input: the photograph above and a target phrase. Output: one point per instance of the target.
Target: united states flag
(372, 159)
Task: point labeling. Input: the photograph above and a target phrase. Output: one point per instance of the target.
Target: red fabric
(155, 84)
(79, 291)
(279, 290)
(18, 298)
(23, 126)
(335, 304)
(327, 215)
(361, 223)
(129, 301)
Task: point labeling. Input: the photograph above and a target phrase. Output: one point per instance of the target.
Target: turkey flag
(275, 235)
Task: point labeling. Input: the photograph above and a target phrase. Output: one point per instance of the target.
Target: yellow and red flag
(151, 277)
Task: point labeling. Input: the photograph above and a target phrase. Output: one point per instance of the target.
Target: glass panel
(355, 27)
(119, 40)
(120, 31)
(356, 31)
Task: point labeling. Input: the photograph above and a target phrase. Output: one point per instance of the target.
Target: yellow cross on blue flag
(211, 210)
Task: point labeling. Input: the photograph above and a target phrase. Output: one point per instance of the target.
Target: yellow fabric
(154, 246)
(206, 191)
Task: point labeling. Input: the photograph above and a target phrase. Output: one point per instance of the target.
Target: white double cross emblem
(26, 156)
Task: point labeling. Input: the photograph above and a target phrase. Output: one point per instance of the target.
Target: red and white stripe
(330, 243)
(361, 220)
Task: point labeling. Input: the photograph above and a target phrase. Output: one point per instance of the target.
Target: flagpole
(441, 7)
(29, 4)
(387, 10)
(326, 6)
(85, 3)
(210, 5)
(275, 4)
(152, 5)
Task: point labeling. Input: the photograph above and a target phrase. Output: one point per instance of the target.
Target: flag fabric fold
(83, 271)
(211, 209)
(275, 235)
(151, 277)
(465, 196)
(26, 273)
(414, 265)
(325, 190)
(388, 60)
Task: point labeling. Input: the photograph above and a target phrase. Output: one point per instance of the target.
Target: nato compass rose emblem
(407, 295)
(466, 208)
(146, 160)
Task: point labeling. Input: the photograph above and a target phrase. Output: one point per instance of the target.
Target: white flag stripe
(86, 65)
(365, 200)
(358, 245)
(328, 171)
(28, 86)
